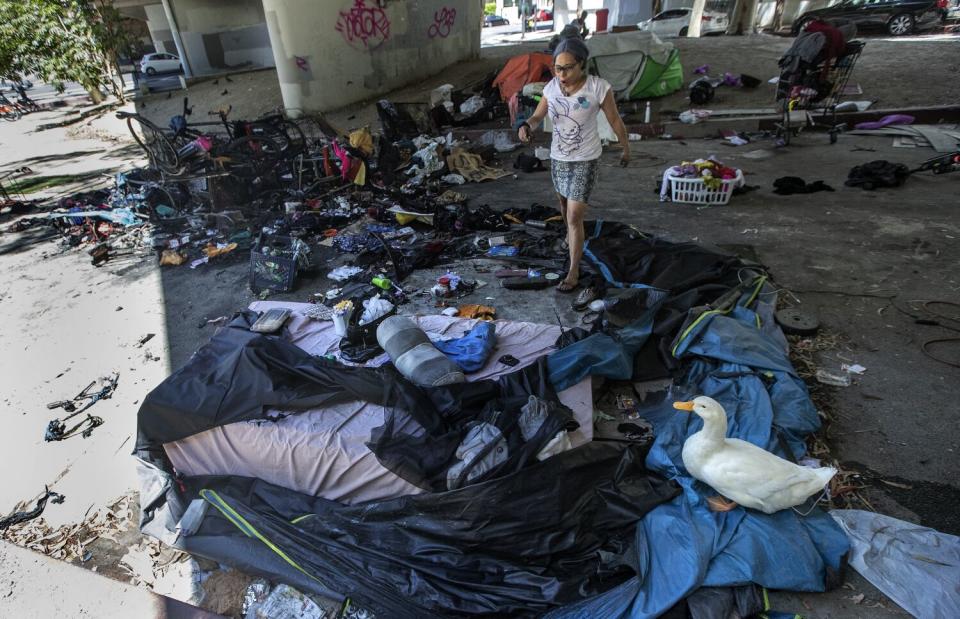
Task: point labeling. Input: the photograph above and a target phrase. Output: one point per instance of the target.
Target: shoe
(583, 299)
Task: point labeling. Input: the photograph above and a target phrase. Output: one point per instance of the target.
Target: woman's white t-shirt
(575, 136)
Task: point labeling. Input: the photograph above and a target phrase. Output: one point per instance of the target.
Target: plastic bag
(916, 567)
(374, 308)
(472, 105)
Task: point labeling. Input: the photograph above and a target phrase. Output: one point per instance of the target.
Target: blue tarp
(601, 354)
(740, 359)
(471, 351)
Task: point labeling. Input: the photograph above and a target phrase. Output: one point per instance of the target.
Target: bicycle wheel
(12, 114)
(296, 140)
(250, 156)
(158, 147)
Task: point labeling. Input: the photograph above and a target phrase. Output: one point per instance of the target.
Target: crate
(273, 264)
(695, 190)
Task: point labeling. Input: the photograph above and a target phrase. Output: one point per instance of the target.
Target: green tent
(637, 64)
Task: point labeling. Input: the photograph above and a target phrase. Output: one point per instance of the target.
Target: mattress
(323, 451)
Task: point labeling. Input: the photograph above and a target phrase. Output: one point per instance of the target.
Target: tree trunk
(95, 95)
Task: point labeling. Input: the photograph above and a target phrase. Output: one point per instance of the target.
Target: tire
(683, 31)
(150, 71)
(900, 25)
(158, 147)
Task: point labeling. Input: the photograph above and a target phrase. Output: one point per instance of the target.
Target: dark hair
(575, 47)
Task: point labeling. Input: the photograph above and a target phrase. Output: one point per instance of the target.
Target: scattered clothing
(528, 163)
(789, 185)
(878, 174)
(886, 121)
(471, 351)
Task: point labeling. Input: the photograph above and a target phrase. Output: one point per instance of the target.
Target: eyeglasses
(565, 68)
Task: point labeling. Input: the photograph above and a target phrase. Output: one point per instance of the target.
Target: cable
(923, 349)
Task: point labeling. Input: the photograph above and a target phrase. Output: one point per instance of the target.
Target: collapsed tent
(595, 530)
(638, 65)
(518, 526)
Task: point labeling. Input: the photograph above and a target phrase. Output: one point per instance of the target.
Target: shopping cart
(811, 89)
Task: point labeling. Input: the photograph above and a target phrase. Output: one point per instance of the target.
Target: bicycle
(10, 113)
(182, 150)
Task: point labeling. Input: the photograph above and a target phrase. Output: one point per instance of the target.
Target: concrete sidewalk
(34, 585)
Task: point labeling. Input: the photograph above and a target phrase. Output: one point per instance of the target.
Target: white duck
(741, 471)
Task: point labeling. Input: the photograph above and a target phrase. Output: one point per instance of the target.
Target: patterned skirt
(575, 180)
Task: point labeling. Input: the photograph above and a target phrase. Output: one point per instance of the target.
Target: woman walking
(573, 99)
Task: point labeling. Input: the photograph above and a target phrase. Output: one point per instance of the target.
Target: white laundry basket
(695, 190)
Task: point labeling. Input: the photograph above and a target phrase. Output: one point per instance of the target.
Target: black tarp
(689, 276)
(525, 536)
(544, 536)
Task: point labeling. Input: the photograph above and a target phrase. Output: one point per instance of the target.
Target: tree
(64, 40)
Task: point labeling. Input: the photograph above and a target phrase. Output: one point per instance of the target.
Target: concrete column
(158, 26)
(175, 31)
(696, 18)
(331, 53)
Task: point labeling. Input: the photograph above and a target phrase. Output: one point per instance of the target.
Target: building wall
(330, 53)
(223, 35)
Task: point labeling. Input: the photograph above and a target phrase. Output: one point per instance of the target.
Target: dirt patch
(223, 592)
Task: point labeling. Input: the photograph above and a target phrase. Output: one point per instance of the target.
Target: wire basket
(273, 264)
(695, 190)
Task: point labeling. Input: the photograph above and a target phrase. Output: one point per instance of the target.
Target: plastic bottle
(646, 114)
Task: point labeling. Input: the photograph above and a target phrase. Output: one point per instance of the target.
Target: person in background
(574, 99)
(582, 23)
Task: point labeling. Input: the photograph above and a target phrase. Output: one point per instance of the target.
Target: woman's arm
(609, 108)
(525, 132)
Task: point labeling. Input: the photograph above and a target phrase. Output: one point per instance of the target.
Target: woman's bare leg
(563, 208)
(575, 237)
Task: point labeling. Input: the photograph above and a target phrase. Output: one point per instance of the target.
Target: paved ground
(860, 260)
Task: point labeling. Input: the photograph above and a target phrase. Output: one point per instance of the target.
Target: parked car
(543, 15)
(494, 20)
(675, 23)
(151, 64)
(896, 17)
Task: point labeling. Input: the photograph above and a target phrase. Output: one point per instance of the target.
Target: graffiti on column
(363, 26)
(442, 23)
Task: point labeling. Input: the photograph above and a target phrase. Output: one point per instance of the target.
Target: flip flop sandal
(583, 300)
(590, 317)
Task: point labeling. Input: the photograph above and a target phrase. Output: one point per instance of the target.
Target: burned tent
(392, 520)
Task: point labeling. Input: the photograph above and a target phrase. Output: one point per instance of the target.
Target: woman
(573, 99)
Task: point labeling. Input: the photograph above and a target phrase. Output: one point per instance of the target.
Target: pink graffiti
(302, 63)
(442, 23)
(364, 27)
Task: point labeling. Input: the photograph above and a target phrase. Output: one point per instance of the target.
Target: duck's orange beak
(683, 406)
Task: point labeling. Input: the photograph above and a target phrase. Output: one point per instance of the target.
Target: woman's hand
(625, 158)
(524, 133)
